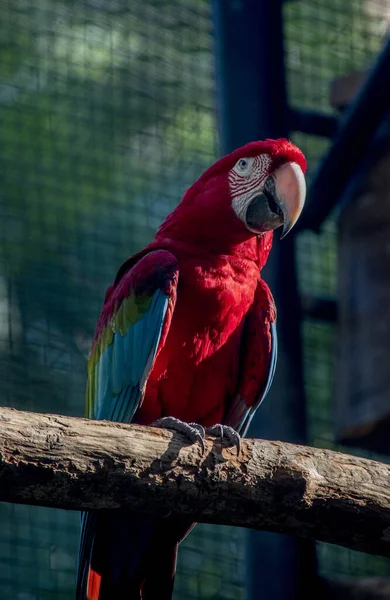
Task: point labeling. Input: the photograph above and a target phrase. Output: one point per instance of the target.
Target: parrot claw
(224, 431)
(193, 431)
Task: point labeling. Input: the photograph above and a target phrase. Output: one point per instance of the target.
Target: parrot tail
(128, 557)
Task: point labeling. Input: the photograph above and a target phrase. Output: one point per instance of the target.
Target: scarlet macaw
(187, 340)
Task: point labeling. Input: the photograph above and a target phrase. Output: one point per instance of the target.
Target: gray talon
(225, 431)
(193, 431)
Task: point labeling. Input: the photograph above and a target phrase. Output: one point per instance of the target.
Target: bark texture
(76, 464)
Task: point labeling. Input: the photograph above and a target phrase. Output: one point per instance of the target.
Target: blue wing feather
(121, 366)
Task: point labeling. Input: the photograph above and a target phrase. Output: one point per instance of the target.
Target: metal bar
(251, 85)
(322, 309)
(358, 125)
(252, 105)
(313, 123)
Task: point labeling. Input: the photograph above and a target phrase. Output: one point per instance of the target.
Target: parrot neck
(264, 245)
(255, 249)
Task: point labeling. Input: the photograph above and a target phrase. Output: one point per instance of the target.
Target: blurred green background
(108, 113)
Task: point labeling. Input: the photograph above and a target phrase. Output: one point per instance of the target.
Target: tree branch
(76, 464)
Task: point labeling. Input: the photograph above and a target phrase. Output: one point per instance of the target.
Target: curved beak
(290, 188)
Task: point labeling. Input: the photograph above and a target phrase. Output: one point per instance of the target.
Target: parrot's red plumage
(188, 331)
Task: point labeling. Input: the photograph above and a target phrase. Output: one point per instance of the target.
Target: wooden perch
(78, 464)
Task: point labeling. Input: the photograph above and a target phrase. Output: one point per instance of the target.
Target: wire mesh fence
(326, 39)
(107, 115)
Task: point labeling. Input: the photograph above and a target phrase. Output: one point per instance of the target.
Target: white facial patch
(246, 180)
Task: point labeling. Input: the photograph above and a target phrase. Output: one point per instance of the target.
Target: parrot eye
(243, 165)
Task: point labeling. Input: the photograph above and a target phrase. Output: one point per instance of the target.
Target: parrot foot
(193, 431)
(224, 431)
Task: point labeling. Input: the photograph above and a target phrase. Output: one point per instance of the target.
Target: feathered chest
(212, 303)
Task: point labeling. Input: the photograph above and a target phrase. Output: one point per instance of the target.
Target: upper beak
(290, 188)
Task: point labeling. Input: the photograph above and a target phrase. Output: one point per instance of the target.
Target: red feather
(94, 581)
(197, 368)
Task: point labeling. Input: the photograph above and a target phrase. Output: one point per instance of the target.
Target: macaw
(186, 340)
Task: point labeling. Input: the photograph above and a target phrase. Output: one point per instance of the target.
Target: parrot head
(267, 185)
(244, 195)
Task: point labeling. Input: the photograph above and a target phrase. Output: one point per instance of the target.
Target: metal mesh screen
(107, 116)
(326, 39)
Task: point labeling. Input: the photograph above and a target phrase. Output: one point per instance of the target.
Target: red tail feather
(94, 581)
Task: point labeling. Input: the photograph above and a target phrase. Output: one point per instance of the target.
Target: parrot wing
(258, 361)
(135, 316)
(131, 329)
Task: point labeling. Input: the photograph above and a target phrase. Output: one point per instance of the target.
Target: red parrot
(186, 340)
